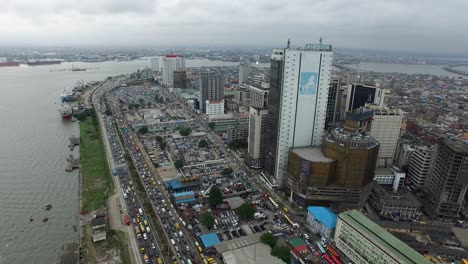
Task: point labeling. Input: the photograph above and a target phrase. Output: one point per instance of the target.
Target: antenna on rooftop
(289, 43)
(320, 41)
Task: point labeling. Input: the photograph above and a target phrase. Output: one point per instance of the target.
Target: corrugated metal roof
(180, 194)
(210, 239)
(323, 215)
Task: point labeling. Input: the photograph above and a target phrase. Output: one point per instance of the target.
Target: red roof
(301, 248)
(172, 56)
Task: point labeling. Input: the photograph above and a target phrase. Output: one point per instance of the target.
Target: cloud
(378, 24)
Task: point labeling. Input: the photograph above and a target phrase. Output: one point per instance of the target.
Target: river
(33, 155)
(403, 68)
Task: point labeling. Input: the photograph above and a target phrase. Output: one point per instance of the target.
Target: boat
(48, 207)
(74, 228)
(43, 62)
(45, 219)
(77, 69)
(66, 112)
(67, 96)
(5, 63)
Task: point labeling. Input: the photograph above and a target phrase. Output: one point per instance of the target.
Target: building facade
(180, 79)
(447, 181)
(403, 155)
(395, 206)
(214, 107)
(359, 95)
(322, 220)
(419, 165)
(244, 69)
(297, 107)
(156, 64)
(258, 121)
(390, 178)
(258, 97)
(385, 128)
(333, 103)
(211, 88)
(364, 242)
(171, 63)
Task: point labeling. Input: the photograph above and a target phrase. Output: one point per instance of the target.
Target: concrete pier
(72, 164)
(74, 141)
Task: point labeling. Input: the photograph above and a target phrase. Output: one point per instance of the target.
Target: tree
(211, 125)
(246, 211)
(159, 139)
(215, 197)
(202, 144)
(143, 130)
(283, 253)
(184, 131)
(226, 171)
(162, 145)
(268, 239)
(178, 164)
(208, 220)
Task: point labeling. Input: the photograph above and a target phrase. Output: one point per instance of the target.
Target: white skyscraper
(171, 63)
(244, 69)
(297, 103)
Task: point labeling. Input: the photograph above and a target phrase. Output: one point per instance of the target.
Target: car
(153, 246)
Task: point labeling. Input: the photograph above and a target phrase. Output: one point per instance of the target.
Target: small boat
(74, 228)
(45, 219)
(31, 219)
(48, 207)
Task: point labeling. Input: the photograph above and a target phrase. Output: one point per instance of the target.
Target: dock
(74, 141)
(72, 164)
(70, 254)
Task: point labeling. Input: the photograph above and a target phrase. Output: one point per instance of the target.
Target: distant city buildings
(171, 63)
(365, 242)
(211, 88)
(297, 103)
(244, 69)
(447, 181)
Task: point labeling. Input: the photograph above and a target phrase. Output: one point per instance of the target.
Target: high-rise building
(297, 103)
(180, 79)
(244, 69)
(211, 88)
(385, 128)
(171, 63)
(333, 101)
(403, 155)
(447, 181)
(419, 165)
(258, 96)
(156, 64)
(365, 242)
(258, 121)
(359, 95)
(340, 174)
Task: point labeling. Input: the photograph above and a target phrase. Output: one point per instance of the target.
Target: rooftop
(234, 202)
(313, 154)
(210, 239)
(297, 241)
(253, 254)
(455, 145)
(238, 243)
(380, 236)
(180, 194)
(323, 215)
(383, 171)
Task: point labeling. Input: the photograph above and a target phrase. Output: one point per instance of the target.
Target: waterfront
(403, 68)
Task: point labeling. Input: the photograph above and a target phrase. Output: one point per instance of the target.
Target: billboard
(304, 174)
(308, 83)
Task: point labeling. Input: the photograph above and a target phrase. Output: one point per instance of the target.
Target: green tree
(178, 164)
(237, 144)
(162, 145)
(283, 253)
(202, 144)
(159, 139)
(208, 220)
(215, 197)
(246, 211)
(184, 131)
(268, 239)
(226, 172)
(143, 130)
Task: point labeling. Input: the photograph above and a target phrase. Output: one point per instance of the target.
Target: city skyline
(348, 24)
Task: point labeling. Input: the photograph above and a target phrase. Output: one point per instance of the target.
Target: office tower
(447, 181)
(180, 79)
(419, 165)
(365, 242)
(171, 63)
(385, 128)
(332, 102)
(156, 64)
(211, 87)
(403, 155)
(258, 97)
(258, 121)
(340, 174)
(359, 95)
(260, 80)
(244, 69)
(214, 107)
(297, 103)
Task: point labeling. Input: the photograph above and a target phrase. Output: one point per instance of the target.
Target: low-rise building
(322, 219)
(395, 206)
(365, 242)
(214, 107)
(390, 178)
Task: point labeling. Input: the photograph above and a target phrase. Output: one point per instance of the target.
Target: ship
(67, 96)
(66, 112)
(5, 63)
(78, 69)
(43, 62)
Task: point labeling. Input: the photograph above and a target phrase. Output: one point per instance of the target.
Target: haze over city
(415, 25)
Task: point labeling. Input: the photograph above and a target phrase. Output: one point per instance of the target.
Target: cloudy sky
(424, 25)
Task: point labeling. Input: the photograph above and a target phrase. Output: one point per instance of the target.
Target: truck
(140, 211)
(177, 226)
(137, 231)
(127, 219)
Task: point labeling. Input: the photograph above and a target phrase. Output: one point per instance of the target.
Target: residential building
(156, 64)
(360, 94)
(395, 206)
(244, 69)
(211, 88)
(385, 128)
(214, 107)
(365, 242)
(322, 220)
(258, 121)
(171, 63)
(419, 165)
(447, 181)
(297, 103)
(180, 79)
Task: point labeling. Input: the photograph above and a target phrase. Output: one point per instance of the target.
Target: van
(181, 234)
(306, 236)
(172, 242)
(200, 249)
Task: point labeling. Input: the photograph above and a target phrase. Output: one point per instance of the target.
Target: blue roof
(177, 184)
(188, 200)
(210, 239)
(323, 215)
(180, 194)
